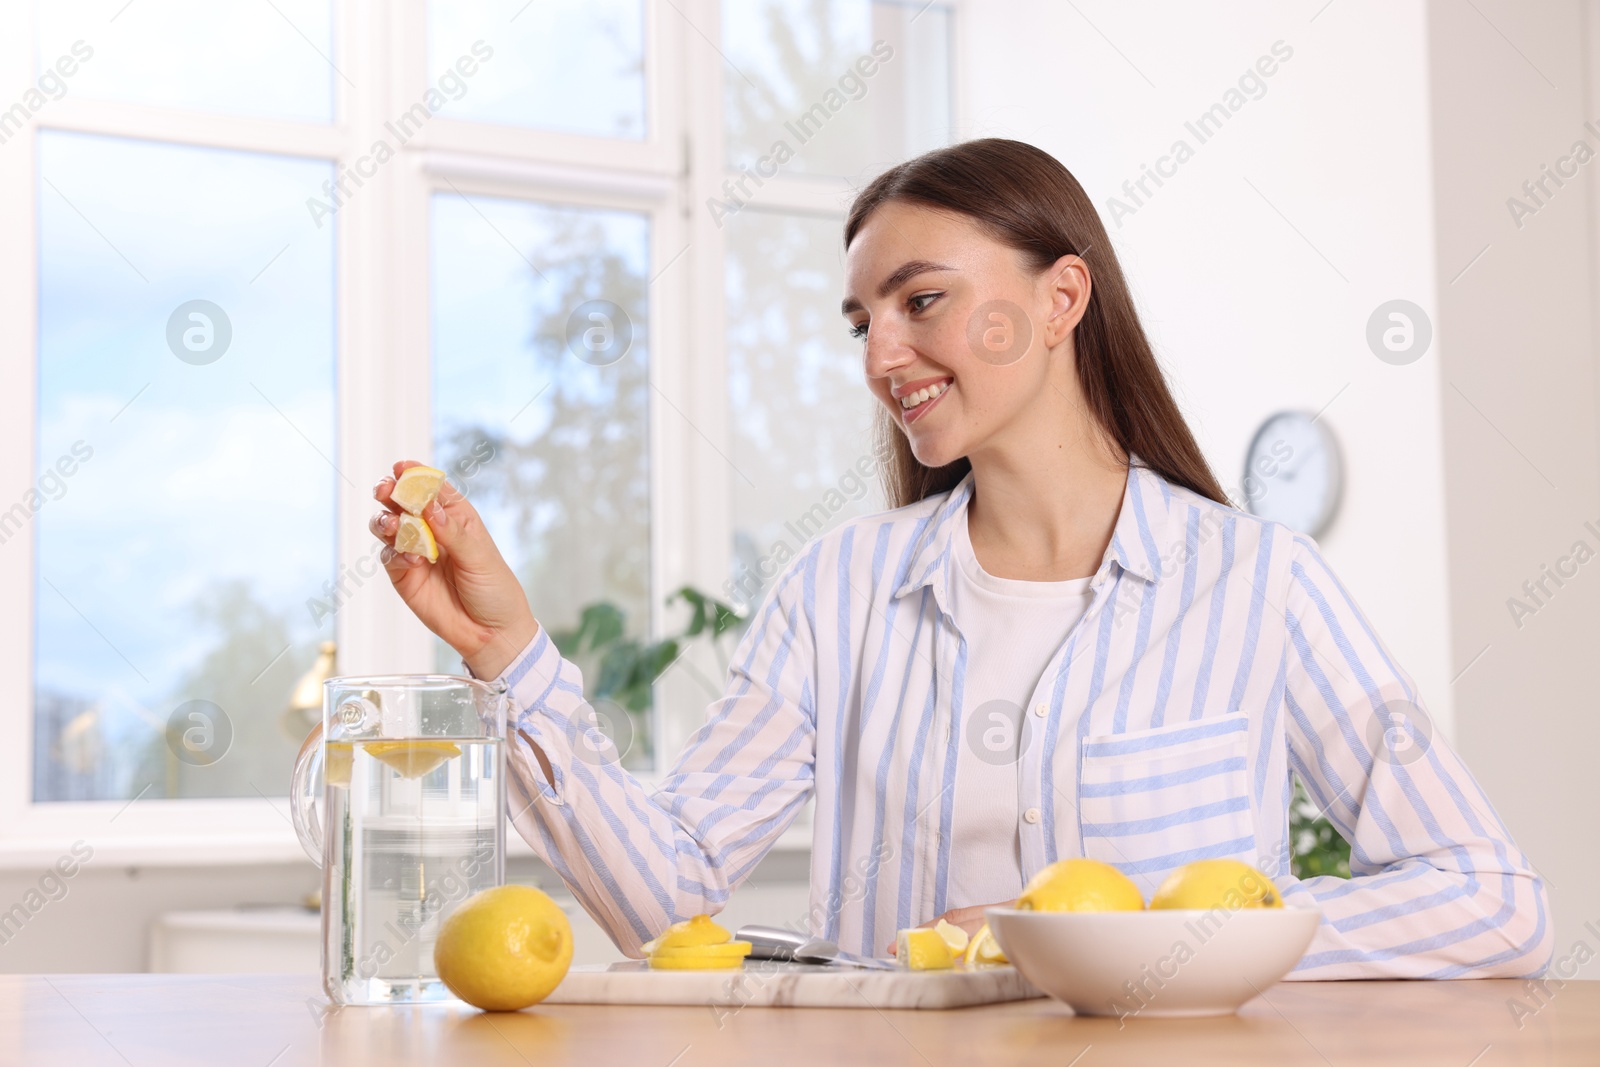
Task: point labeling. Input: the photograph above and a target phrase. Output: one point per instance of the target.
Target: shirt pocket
(1153, 800)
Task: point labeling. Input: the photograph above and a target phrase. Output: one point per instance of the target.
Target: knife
(778, 943)
(826, 952)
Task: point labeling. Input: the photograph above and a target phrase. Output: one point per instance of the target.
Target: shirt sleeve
(639, 857)
(1437, 888)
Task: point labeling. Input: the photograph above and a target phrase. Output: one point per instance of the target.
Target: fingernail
(379, 486)
(434, 514)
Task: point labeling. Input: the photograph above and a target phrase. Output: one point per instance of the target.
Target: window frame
(383, 359)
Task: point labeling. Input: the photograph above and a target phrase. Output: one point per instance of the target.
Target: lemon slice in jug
(413, 759)
(337, 756)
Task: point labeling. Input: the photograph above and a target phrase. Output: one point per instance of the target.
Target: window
(264, 250)
(813, 107)
(541, 399)
(185, 365)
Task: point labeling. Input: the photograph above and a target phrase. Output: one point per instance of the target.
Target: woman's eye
(921, 301)
(858, 332)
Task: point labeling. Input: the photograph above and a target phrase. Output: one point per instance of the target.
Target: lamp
(305, 703)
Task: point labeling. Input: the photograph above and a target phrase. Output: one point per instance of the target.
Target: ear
(1067, 286)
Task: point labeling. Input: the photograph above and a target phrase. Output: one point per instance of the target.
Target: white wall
(1249, 315)
(1523, 475)
(1375, 166)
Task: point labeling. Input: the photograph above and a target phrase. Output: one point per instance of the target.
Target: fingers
(399, 564)
(384, 525)
(381, 493)
(963, 916)
(459, 530)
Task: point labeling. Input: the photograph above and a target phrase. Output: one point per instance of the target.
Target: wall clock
(1292, 473)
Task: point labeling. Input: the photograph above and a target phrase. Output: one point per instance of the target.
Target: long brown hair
(1026, 199)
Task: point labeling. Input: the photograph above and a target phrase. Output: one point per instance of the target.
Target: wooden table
(87, 1020)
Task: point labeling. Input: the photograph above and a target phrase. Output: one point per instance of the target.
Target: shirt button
(1031, 815)
(1041, 710)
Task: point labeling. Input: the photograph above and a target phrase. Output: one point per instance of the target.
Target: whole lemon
(1080, 885)
(504, 948)
(1206, 884)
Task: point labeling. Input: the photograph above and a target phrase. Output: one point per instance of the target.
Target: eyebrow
(898, 277)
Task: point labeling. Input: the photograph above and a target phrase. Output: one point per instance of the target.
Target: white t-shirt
(1013, 629)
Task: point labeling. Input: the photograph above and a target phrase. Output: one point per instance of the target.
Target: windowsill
(236, 851)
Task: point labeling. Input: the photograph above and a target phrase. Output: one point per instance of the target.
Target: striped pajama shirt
(1219, 655)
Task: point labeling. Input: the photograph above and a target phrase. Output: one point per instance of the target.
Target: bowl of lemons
(1215, 934)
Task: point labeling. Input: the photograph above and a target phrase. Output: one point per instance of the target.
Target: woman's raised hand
(470, 597)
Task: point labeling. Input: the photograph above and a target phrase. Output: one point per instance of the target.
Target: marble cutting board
(767, 983)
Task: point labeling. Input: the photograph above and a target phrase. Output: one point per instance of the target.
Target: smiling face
(963, 344)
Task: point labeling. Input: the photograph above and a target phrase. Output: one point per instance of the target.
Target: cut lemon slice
(697, 932)
(923, 949)
(696, 963)
(416, 488)
(337, 756)
(413, 759)
(983, 949)
(728, 949)
(954, 937)
(415, 537)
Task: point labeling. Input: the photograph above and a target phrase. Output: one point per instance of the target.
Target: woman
(1062, 641)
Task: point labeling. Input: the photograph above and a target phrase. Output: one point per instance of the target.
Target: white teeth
(923, 395)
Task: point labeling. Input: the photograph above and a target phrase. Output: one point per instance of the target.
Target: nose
(886, 351)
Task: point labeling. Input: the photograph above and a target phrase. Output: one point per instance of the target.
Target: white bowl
(1151, 963)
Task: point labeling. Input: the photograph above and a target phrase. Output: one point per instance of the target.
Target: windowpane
(571, 65)
(273, 60)
(846, 94)
(184, 509)
(801, 413)
(541, 394)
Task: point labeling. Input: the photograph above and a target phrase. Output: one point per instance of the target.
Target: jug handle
(304, 789)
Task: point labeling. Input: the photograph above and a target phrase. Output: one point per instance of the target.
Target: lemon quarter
(416, 488)
(923, 949)
(415, 537)
(983, 948)
(953, 935)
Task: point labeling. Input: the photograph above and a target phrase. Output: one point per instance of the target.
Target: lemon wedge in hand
(416, 488)
(415, 537)
(412, 759)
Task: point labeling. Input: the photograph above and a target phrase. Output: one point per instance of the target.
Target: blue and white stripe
(1218, 655)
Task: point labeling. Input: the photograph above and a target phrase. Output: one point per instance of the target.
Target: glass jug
(407, 822)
